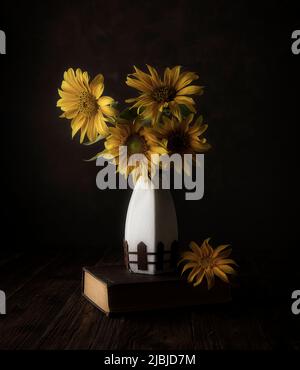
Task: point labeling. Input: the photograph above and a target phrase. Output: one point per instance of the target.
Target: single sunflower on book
(157, 94)
(204, 261)
(83, 103)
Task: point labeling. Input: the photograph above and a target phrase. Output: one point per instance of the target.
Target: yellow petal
(225, 253)
(143, 77)
(180, 99)
(210, 278)
(81, 78)
(97, 86)
(190, 256)
(193, 273)
(71, 113)
(195, 248)
(83, 130)
(167, 77)
(137, 84)
(85, 80)
(190, 90)
(92, 128)
(188, 266)
(219, 249)
(101, 125)
(174, 75)
(105, 100)
(225, 261)
(185, 79)
(199, 277)
(175, 110)
(200, 147)
(198, 129)
(189, 118)
(69, 88)
(76, 124)
(154, 75)
(68, 95)
(221, 274)
(158, 149)
(109, 111)
(131, 100)
(227, 269)
(67, 105)
(70, 78)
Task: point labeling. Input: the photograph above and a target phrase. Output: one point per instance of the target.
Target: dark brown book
(114, 289)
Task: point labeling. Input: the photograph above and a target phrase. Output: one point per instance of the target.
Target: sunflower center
(177, 142)
(87, 104)
(206, 262)
(136, 144)
(164, 94)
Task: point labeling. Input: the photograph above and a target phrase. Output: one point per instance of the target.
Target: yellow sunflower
(133, 136)
(157, 94)
(182, 137)
(81, 101)
(208, 262)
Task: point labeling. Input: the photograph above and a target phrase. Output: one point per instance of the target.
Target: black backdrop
(242, 52)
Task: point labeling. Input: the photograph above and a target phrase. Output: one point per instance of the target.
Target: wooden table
(45, 310)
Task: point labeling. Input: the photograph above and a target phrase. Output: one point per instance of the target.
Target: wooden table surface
(45, 310)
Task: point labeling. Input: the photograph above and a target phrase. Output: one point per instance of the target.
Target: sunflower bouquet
(159, 120)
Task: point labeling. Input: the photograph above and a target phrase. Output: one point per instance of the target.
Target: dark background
(242, 52)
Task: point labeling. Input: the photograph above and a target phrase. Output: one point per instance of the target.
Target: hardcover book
(114, 289)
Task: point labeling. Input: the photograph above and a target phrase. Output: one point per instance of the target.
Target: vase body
(150, 242)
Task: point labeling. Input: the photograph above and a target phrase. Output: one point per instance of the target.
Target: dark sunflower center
(136, 144)
(177, 142)
(87, 104)
(206, 262)
(164, 94)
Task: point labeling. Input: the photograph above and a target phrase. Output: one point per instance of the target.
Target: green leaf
(93, 158)
(95, 141)
(129, 114)
(199, 120)
(167, 112)
(184, 110)
(147, 122)
(115, 104)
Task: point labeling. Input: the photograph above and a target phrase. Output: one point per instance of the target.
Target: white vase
(150, 243)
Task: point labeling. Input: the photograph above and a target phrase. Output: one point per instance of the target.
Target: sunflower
(208, 262)
(157, 94)
(81, 101)
(133, 136)
(182, 137)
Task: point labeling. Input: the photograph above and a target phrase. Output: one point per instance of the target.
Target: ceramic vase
(151, 234)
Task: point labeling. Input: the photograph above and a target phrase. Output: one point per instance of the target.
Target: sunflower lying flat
(208, 262)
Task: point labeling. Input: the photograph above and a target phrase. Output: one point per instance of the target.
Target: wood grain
(45, 310)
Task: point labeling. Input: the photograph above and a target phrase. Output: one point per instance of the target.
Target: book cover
(114, 289)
